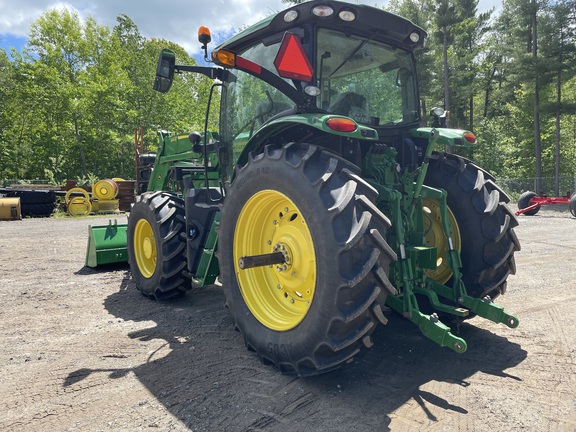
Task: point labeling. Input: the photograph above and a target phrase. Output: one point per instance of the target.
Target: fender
(312, 121)
(451, 137)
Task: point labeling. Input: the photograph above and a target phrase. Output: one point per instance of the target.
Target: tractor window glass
(250, 101)
(366, 80)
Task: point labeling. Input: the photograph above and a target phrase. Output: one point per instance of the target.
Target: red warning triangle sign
(291, 60)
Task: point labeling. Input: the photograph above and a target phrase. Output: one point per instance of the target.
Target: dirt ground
(82, 350)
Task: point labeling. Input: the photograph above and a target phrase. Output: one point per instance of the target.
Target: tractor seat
(350, 104)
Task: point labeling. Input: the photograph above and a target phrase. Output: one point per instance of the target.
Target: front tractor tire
(484, 223)
(157, 245)
(317, 308)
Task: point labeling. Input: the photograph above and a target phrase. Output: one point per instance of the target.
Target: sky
(173, 20)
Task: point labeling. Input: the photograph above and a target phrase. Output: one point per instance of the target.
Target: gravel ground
(82, 350)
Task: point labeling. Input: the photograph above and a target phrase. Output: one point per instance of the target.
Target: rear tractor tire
(484, 223)
(317, 308)
(157, 245)
(524, 202)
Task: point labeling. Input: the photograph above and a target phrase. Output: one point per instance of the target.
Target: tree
(418, 11)
(74, 96)
(559, 48)
(520, 19)
(466, 59)
(6, 90)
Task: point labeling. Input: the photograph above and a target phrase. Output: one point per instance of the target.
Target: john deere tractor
(320, 202)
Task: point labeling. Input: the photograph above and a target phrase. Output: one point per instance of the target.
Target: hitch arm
(430, 326)
(486, 308)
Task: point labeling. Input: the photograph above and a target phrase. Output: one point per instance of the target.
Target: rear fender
(303, 123)
(446, 136)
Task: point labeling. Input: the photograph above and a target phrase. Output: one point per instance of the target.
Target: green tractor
(321, 202)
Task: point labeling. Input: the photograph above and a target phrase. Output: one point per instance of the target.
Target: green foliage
(71, 100)
(89, 179)
(73, 97)
(491, 78)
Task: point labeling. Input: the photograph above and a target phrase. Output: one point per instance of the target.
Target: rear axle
(247, 262)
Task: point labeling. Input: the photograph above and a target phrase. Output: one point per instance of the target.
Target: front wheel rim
(279, 295)
(145, 248)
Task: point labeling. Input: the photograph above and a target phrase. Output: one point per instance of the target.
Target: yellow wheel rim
(278, 295)
(74, 191)
(79, 206)
(145, 248)
(435, 237)
(105, 189)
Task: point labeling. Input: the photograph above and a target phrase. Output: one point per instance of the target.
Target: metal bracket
(439, 306)
(430, 326)
(208, 268)
(486, 308)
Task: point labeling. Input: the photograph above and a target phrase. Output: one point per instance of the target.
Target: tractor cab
(324, 70)
(324, 60)
(335, 59)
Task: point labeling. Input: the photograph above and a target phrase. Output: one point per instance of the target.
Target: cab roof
(369, 21)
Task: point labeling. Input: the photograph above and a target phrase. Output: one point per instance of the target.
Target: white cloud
(15, 19)
(174, 20)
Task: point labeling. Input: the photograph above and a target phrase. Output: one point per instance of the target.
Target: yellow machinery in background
(103, 199)
(10, 208)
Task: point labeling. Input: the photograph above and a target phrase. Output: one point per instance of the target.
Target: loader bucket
(106, 244)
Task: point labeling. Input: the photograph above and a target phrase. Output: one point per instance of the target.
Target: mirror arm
(210, 72)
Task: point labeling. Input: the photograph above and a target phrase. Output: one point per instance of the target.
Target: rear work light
(414, 37)
(340, 124)
(347, 15)
(323, 11)
(290, 16)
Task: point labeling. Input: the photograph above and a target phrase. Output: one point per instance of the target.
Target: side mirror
(165, 71)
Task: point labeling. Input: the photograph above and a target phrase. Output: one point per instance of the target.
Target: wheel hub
(147, 247)
(284, 249)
